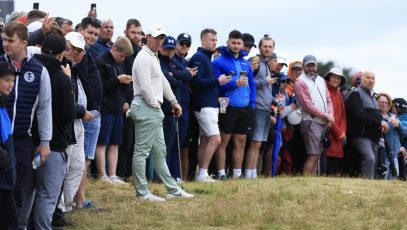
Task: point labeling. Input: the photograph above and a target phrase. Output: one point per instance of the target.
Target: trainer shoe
(151, 197)
(205, 179)
(180, 194)
(222, 178)
(116, 180)
(105, 178)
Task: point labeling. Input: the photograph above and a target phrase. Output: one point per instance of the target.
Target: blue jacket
(395, 135)
(91, 81)
(403, 122)
(238, 96)
(205, 84)
(99, 48)
(7, 177)
(181, 73)
(166, 68)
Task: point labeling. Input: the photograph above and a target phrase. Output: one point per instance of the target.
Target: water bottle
(36, 161)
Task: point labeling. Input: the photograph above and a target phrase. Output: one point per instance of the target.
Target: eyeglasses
(187, 44)
(296, 69)
(383, 102)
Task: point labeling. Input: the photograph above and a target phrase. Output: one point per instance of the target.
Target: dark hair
(16, 28)
(267, 37)
(132, 21)
(235, 34)
(92, 21)
(206, 31)
(60, 21)
(35, 15)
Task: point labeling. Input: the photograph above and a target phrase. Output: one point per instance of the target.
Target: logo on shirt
(29, 76)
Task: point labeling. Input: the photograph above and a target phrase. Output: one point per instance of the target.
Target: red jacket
(338, 130)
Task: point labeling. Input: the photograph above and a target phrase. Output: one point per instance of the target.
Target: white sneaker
(105, 178)
(180, 194)
(151, 197)
(116, 180)
(205, 179)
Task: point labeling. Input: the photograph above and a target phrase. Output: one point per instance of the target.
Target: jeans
(92, 129)
(149, 136)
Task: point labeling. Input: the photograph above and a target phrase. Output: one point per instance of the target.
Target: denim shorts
(111, 130)
(261, 125)
(92, 129)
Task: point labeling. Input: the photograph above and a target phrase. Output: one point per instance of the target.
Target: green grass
(277, 203)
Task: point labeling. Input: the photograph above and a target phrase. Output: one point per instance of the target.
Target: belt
(137, 97)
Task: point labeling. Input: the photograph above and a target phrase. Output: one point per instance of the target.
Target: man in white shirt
(150, 86)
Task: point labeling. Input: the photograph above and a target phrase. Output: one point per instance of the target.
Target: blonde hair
(387, 96)
(123, 45)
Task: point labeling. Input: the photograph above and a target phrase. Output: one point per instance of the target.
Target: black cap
(53, 44)
(184, 37)
(6, 69)
(248, 40)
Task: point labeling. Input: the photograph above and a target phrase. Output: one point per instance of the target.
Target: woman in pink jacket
(335, 79)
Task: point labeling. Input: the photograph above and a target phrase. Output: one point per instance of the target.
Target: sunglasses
(187, 44)
(296, 69)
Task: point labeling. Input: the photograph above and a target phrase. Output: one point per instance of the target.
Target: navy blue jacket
(205, 84)
(238, 96)
(90, 79)
(113, 90)
(99, 48)
(181, 73)
(167, 68)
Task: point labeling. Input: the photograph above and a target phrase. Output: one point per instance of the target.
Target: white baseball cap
(156, 30)
(76, 40)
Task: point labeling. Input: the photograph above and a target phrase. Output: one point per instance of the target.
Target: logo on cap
(29, 76)
(186, 36)
(171, 41)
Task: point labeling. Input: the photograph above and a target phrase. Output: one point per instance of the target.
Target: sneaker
(116, 180)
(151, 197)
(180, 194)
(105, 178)
(205, 179)
(88, 205)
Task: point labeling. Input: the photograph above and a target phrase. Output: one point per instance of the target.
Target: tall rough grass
(277, 203)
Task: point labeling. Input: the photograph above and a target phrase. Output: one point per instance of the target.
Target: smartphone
(36, 5)
(144, 41)
(93, 6)
(231, 73)
(243, 73)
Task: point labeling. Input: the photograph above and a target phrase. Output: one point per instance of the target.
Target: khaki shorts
(208, 121)
(311, 132)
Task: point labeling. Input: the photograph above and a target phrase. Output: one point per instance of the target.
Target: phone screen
(36, 5)
(93, 6)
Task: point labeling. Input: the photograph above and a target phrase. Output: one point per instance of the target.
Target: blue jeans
(92, 129)
(44, 187)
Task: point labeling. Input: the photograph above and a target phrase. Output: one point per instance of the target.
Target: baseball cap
(156, 30)
(309, 59)
(169, 42)
(298, 64)
(53, 44)
(76, 40)
(248, 40)
(184, 37)
(6, 69)
(281, 60)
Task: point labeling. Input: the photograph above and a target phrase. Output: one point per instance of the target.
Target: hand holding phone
(231, 73)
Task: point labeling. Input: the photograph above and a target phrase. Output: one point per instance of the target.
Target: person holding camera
(241, 93)
(316, 105)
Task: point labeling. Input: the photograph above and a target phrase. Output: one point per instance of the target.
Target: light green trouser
(149, 137)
